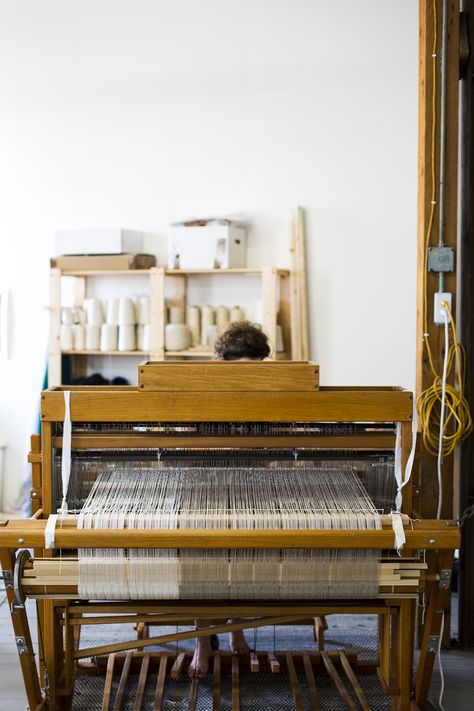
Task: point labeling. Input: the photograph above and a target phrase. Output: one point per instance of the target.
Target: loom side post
(22, 632)
(438, 601)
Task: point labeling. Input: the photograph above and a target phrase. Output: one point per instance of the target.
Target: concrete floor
(458, 666)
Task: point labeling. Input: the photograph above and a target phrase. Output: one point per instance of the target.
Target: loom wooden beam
(204, 632)
(374, 441)
(430, 535)
(326, 405)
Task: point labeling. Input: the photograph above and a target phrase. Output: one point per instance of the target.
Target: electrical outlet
(439, 311)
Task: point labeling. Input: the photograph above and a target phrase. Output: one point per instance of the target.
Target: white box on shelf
(108, 241)
(219, 244)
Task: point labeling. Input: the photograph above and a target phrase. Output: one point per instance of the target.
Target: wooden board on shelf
(298, 288)
(236, 270)
(228, 376)
(93, 261)
(140, 354)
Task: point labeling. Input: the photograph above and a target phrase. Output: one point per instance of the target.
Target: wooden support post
(298, 282)
(22, 634)
(466, 334)
(35, 460)
(52, 637)
(434, 614)
(284, 314)
(269, 305)
(157, 313)
(428, 283)
(404, 653)
(54, 347)
(384, 648)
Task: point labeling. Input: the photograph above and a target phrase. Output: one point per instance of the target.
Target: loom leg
(54, 656)
(384, 648)
(437, 602)
(22, 632)
(402, 653)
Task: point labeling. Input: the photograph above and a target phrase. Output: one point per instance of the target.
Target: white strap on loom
(66, 457)
(402, 480)
(49, 531)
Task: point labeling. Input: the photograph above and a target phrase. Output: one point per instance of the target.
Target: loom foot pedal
(304, 670)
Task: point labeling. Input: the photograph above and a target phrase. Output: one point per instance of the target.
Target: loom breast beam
(208, 416)
(426, 535)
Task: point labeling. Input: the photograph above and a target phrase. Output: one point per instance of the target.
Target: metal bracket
(21, 645)
(7, 577)
(22, 558)
(433, 642)
(444, 579)
(441, 259)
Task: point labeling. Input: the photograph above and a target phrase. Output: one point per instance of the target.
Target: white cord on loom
(403, 479)
(441, 417)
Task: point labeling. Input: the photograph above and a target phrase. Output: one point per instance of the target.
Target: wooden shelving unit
(275, 296)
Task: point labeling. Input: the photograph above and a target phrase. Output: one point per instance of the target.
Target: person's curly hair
(242, 339)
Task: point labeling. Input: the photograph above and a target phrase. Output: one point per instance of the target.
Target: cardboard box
(217, 244)
(111, 241)
(100, 262)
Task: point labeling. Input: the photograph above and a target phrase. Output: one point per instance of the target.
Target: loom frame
(131, 404)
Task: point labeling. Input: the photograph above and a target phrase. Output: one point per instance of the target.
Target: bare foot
(237, 643)
(200, 661)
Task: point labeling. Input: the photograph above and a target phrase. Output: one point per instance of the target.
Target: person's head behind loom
(242, 340)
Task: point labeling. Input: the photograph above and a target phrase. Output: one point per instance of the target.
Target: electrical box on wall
(216, 244)
(440, 298)
(440, 259)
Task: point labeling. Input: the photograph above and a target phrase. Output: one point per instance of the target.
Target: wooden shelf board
(107, 353)
(104, 272)
(256, 271)
(190, 352)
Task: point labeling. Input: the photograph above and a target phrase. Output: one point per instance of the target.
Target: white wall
(137, 112)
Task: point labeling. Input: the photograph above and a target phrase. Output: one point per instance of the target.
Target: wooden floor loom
(266, 418)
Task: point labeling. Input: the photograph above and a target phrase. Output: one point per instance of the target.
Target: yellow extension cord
(457, 425)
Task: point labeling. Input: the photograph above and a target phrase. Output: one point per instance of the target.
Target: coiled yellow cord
(457, 425)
